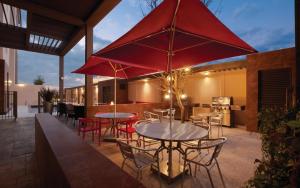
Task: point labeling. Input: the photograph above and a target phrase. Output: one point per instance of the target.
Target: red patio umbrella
(105, 67)
(176, 34)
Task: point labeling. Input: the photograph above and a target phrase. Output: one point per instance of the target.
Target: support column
(297, 33)
(88, 90)
(61, 78)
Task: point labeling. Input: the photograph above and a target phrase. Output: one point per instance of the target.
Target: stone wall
(137, 108)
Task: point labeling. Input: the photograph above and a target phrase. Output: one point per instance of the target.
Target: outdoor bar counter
(64, 160)
(130, 107)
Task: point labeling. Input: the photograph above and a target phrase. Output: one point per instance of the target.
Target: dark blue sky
(264, 24)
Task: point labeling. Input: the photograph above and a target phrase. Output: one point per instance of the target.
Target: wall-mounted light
(187, 69)
(112, 103)
(21, 85)
(205, 73)
(169, 78)
(183, 96)
(169, 91)
(167, 96)
(62, 78)
(146, 80)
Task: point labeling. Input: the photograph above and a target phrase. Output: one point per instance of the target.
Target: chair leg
(211, 182)
(222, 130)
(222, 179)
(138, 174)
(123, 163)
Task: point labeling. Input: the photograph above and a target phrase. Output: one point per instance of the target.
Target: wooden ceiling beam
(103, 9)
(44, 11)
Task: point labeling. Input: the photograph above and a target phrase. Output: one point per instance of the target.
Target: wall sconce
(112, 103)
(205, 73)
(188, 69)
(167, 96)
(183, 96)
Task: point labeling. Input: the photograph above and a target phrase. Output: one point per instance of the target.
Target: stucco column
(61, 78)
(88, 91)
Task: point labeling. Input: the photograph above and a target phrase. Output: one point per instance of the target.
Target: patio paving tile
(18, 163)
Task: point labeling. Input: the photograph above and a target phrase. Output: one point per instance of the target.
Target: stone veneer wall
(263, 61)
(138, 108)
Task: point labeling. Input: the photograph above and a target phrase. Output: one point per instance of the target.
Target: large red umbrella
(105, 67)
(176, 34)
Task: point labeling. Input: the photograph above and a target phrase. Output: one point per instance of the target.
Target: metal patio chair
(151, 116)
(140, 157)
(217, 121)
(196, 156)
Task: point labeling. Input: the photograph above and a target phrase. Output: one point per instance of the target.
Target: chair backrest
(150, 116)
(79, 111)
(61, 107)
(147, 115)
(217, 118)
(217, 144)
(172, 112)
(70, 107)
(126, 150)
(88, 122)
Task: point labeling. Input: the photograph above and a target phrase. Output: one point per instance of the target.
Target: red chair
(89, 125)
(126, 127)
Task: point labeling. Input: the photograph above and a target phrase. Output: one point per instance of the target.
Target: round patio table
(179, 133)
(113, 116)
(117, 115)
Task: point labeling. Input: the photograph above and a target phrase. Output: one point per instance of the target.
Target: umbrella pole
(115, 94)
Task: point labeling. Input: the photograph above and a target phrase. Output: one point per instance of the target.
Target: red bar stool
(88, 125)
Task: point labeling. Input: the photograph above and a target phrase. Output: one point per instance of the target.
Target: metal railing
(11, 106)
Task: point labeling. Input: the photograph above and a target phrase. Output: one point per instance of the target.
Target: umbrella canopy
(183, 29)
(104, 67)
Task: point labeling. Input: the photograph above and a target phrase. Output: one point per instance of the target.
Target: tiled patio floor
(236, 161)
(18, 164)
(17, 160)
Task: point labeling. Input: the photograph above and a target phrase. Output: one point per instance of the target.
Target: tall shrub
(279, 166)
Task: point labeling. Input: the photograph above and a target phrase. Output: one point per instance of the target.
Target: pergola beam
(16, 39)
(97, 15)
(29, 16)
(44, 11)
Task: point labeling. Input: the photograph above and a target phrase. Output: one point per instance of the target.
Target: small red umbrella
(105, 67)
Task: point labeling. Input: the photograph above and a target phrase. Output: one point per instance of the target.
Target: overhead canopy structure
(103, 67)
(184, 30)
(53, 26)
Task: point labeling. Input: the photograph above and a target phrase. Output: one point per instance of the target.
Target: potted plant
(47, 95)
